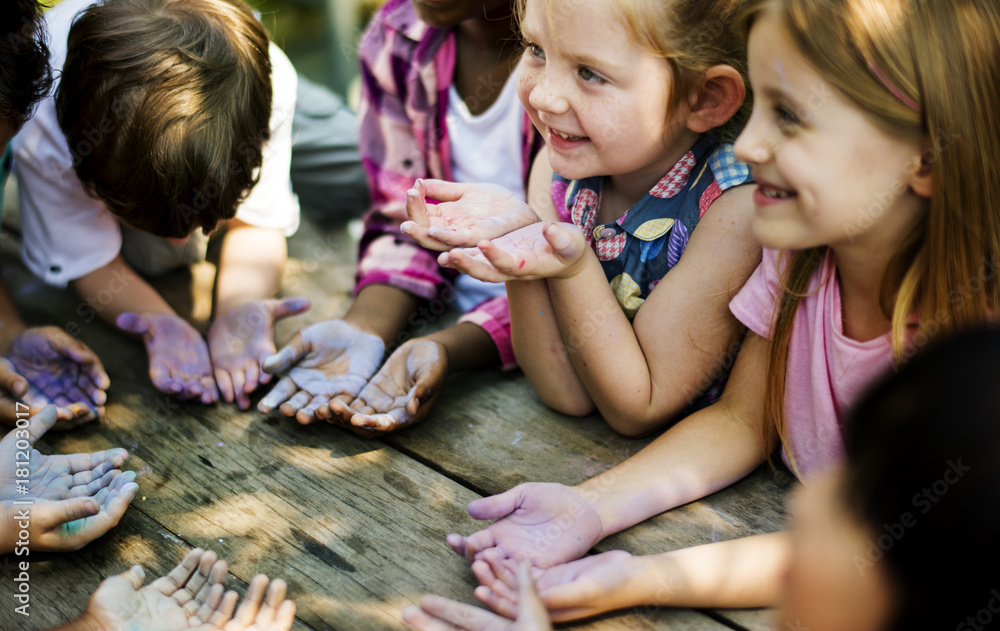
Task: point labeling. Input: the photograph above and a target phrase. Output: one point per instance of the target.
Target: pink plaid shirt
(406, 70)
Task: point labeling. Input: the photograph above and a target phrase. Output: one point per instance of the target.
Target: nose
(546, 92)
(754, 144)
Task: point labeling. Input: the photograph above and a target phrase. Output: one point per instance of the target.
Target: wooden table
(356, 527)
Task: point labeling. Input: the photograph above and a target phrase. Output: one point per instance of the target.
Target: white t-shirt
(68, 233)
(485, 148)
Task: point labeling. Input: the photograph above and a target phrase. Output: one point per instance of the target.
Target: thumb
(444, 191)
(416, 205)
(133, 323)
(563, 244)
(495, 506)
(289, 306)
(135, 576)
(51, 515)
(288, 356)
(12, 382)
(42, 422)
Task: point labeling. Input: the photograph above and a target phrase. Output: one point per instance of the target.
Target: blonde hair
(925, 69)
(691, 35)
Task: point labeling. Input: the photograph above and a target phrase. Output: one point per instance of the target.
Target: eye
(534, 50)
(787, 118)
(589, 75)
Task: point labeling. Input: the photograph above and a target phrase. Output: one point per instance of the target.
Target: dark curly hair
(25, 76)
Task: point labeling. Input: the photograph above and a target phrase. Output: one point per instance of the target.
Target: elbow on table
(565, 403)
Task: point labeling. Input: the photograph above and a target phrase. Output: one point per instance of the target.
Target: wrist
(381, 310)
(84, 622)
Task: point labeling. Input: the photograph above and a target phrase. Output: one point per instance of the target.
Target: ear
(719, 96)
(921, 182)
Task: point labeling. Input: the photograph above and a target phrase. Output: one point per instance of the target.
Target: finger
(503, 606)
(239, 382)
(444, 191)
(178, 577)
(252, 378)
(530, 607)
(84, 463)
(338, 409)
(473, 266)
(563, 245)
(491, 572)
(289, 355)
(207, 606)
(284, 618)
(133, 323)
(41, 423)
(52, 515)
(296, 403)
(95, 392)
(87, 359)
(13, 383)
(225, 384)
(500, 259)
(460, 614)
(135, 575)
(495, 506)
(308, 413)
(224, 612)
(247, 611)
(417, 618)
(473, 544)
(274, 600)
(280, 393)
(289, 306)
(416, 206)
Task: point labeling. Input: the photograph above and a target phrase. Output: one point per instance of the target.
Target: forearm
(250, 266)
(604, 350)
(116, 289)
(745, 572)
(381, 310)
(468, 346)
(11, 324)
(540, 351)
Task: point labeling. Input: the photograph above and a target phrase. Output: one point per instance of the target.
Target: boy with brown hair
(172, 120)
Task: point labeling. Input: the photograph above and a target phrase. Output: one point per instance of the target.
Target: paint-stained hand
(466, 214)
(543, 523)
(569, 591)
(179, 363)
(323, 361)
(46, 365)
(75, 498)
(541, 250)
(400, 394)
(241, 339)
(191, 596)
(441, 614)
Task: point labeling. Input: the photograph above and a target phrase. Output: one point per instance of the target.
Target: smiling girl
(879, 208)
(636, 101)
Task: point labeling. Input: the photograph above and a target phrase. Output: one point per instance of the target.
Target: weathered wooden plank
(490, 431)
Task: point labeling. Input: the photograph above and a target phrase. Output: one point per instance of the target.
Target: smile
(774, 193)
(566, 136)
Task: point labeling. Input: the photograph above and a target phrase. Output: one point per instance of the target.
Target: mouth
(771, 192)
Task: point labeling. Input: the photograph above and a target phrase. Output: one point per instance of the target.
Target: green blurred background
(319, 36)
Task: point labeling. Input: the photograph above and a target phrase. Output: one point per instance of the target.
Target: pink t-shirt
(827, 371)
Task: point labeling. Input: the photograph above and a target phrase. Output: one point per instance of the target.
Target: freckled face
(829, 586)
(826, 174)
(598, 98)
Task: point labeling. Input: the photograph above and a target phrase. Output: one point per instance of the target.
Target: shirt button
(608, 233)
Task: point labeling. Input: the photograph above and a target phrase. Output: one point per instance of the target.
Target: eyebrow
(582, 59)
(777, 94)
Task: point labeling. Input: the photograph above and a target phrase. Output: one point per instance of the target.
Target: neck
(628, 188)
(861, 266)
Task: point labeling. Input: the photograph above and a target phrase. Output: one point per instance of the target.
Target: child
(437, 101)
(886, 252)
(884, 542)
(163, 123)
(635, 100)
(41, 365)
